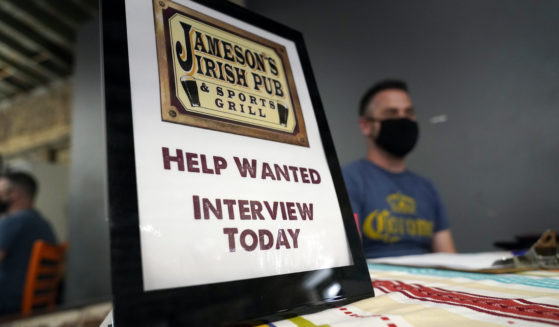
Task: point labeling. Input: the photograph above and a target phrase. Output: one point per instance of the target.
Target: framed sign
(227, 205)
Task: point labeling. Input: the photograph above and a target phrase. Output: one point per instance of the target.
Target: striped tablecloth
(431, 297)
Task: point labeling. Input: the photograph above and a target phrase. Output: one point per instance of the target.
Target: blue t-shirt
(18, 232)
(398, 212)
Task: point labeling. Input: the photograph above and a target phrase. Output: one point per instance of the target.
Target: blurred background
(484, 77)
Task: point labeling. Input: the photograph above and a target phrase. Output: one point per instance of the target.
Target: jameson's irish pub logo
(217, 76)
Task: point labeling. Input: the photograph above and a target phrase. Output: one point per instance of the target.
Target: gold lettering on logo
(381, 226)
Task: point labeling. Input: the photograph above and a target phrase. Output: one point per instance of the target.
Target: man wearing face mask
(399, 212)
(20, 227)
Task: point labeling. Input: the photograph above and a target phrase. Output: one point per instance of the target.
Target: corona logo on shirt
(216, 76)
(385, 226)
(401, 203)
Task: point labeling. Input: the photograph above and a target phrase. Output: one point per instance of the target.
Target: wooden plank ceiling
(37, 41)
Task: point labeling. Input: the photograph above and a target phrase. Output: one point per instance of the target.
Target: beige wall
(37, 125)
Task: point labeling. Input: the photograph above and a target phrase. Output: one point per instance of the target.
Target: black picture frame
(243, 302)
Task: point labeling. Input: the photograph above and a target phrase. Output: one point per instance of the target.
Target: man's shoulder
(28, 218)
(355, 166)
(418, 179)
(16, 218)
(24, 215)
(354, 169)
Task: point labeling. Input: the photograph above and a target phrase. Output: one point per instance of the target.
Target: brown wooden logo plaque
(216, 76)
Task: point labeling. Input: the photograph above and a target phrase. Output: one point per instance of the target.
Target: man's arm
(442, 242)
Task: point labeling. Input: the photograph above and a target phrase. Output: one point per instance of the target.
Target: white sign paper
(219, 206)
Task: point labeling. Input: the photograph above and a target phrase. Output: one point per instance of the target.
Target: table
(407, 296)
(90, 315)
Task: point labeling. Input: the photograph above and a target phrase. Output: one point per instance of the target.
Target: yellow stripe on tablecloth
(418, 315)
(299, 322)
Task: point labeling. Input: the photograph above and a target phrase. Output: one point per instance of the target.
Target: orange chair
(45, 270)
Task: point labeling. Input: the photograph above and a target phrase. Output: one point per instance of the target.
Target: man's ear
(365, 126)
(15, 194)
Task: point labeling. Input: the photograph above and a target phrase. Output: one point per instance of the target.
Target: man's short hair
(386, 84)
(23, 181)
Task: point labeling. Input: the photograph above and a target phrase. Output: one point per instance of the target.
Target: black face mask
(397, 136)
(4, 206)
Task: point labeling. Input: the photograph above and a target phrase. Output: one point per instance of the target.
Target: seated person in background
(399, 212)
(20, 227)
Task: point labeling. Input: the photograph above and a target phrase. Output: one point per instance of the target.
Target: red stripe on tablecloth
(502, 307)
(492, 297)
